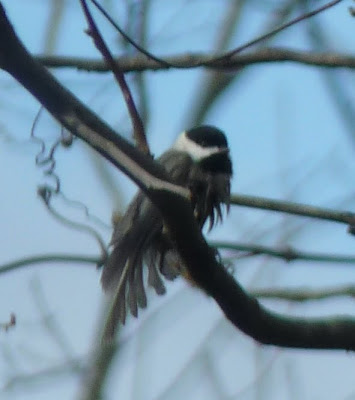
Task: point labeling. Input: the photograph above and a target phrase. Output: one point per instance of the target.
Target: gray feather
(138, 237)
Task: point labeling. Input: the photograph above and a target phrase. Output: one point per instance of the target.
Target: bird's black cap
(207, 136)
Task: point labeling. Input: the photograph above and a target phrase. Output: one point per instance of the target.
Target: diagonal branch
(138, 128)
(277, 30)
(129, 39)
(5, 326)
(243, 310)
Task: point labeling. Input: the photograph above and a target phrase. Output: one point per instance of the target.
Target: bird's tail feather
(123, 276)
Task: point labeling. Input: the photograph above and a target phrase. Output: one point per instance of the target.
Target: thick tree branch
(76, 117)
(243, 310)
(195, 60)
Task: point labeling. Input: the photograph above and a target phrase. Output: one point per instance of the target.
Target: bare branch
(213, 83)
(338, 92)
(227, 55)
(304, 294)
(52, 327)
(41, 376)
(277, 30)
(138, 129)
(196, 60)
(5, 326)
(304, 210)
(69, 259)
(96, 374)
(45, 194)
(288, 254)
(128, 38)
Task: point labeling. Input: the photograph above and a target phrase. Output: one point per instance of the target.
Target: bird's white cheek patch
(195, 151)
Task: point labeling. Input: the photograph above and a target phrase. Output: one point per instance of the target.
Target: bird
(199, 160)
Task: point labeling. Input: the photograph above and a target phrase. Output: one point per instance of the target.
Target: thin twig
(304, 210)
(338, 91)
(303, 294)
(275, 31)
(287, 254)
(52, 327)
(40, 376)
(213, 83)
(228, 55)
(94, 379)
(43, 160)
(138, 128)
(138, 24)
(136, 45)
(216, 83)
(69, 259)
(45, 195)
(5, 326)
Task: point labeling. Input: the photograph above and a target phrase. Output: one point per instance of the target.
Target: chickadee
(199, 160)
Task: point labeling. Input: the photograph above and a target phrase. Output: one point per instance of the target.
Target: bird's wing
(136, 236)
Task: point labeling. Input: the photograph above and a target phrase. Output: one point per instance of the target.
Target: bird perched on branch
(199, 160)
